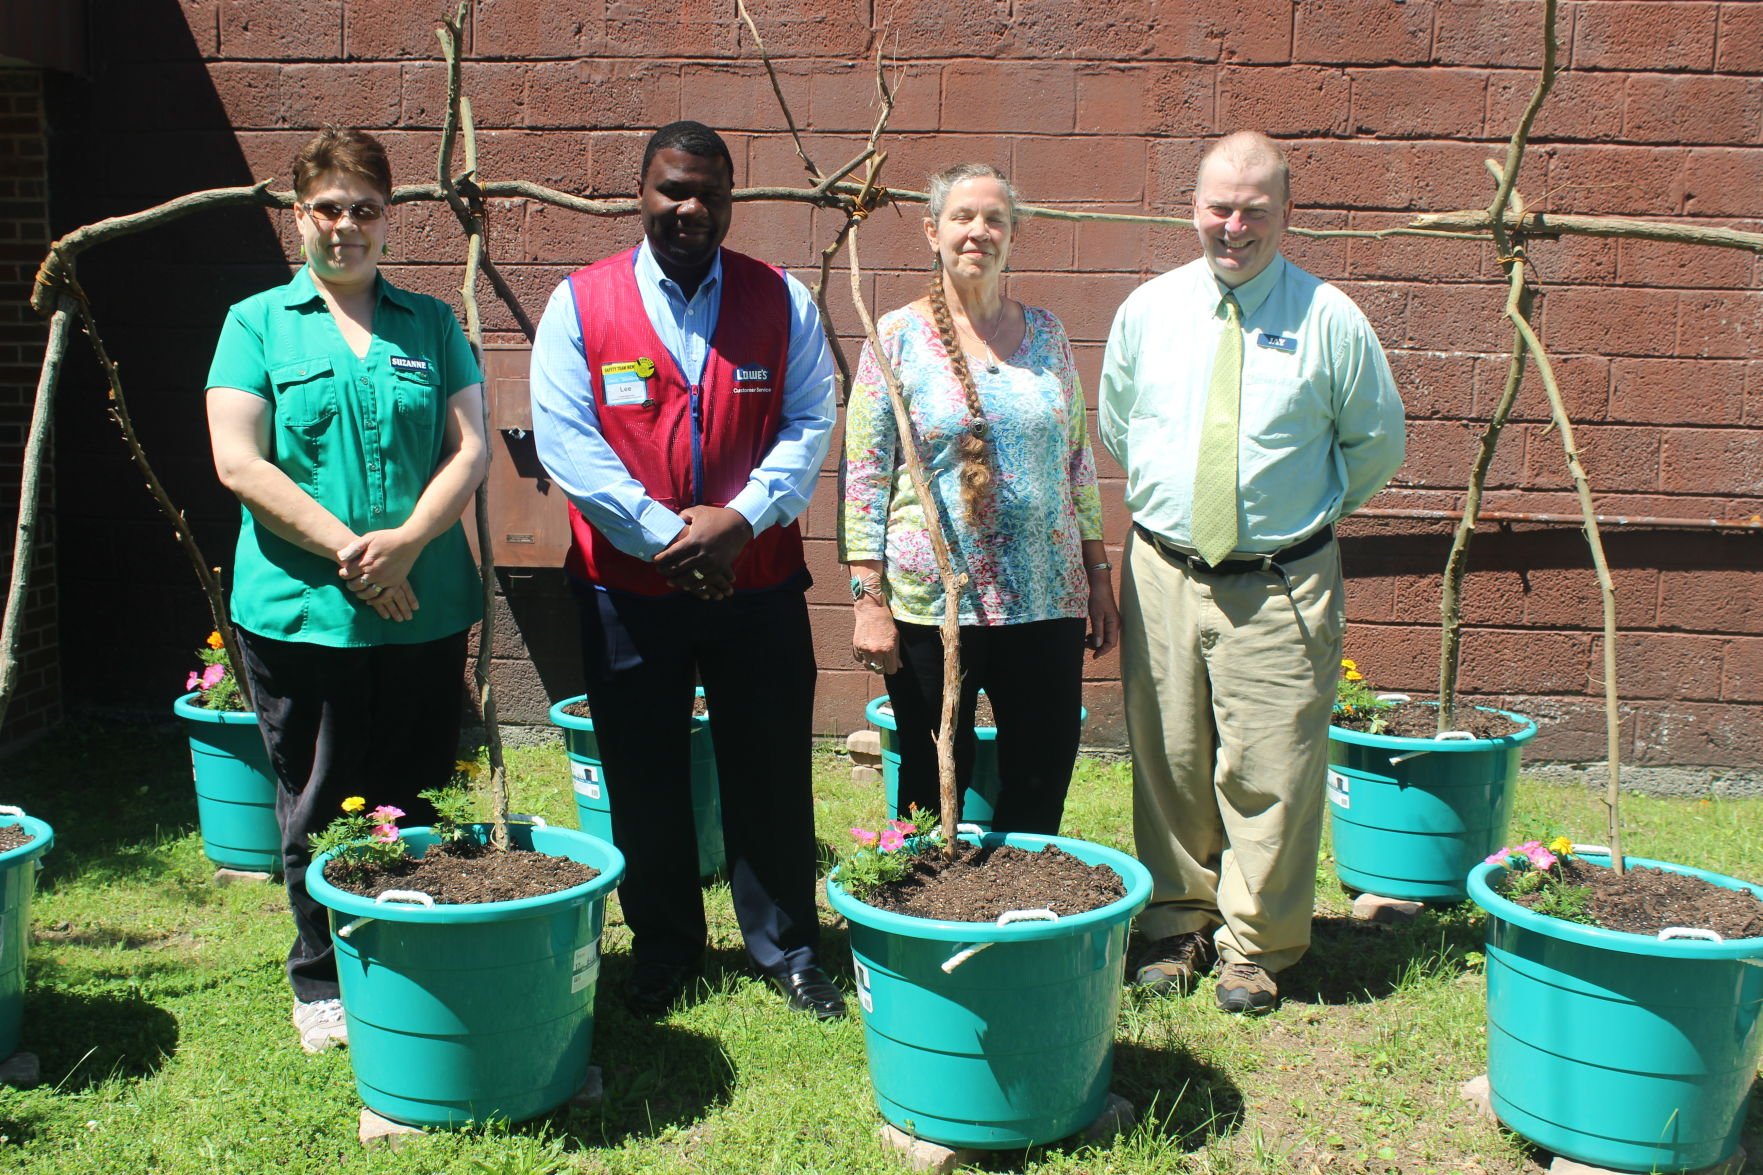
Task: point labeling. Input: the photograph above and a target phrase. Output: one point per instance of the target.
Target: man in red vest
(682, 398)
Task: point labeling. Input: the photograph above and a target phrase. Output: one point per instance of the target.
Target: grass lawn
(158, 1007)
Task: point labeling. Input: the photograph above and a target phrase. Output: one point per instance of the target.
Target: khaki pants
(1229, 683)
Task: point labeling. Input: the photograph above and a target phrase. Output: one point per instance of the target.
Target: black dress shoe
(652, 988)
(811, 990)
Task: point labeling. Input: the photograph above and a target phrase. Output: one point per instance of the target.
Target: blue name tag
(1279, 343)
(405, 363)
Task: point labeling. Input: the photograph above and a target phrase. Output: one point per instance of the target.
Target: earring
(385, 248)
(302, 250)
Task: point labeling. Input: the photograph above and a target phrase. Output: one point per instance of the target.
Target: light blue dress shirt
(566, 423)
(1321, 423)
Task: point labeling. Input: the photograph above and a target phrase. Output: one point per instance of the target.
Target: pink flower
(195, 680)
(863, 836)
(212, 676)
(385, 814)
(1541, 858)
(1498, 857)
(385, 833)
(903, 827)
(891, 839)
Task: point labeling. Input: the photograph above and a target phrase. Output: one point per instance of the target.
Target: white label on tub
(586, 967)
(861, 974)
(586, 779)
(1340, 790)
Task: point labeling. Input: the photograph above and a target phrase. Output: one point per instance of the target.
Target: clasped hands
(376, 570)
(701, 558)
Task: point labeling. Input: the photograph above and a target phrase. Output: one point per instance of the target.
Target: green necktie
(1215, 473)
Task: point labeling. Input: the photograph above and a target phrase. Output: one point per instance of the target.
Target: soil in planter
(982, 713)
(1415, 720)
(580, 709)
(13, 836)
(458, 875)
(1646, 901)
(982, 883)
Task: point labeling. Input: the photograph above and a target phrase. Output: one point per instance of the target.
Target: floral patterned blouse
(1024, 560)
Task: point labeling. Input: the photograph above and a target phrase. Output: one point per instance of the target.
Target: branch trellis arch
(1506, 223)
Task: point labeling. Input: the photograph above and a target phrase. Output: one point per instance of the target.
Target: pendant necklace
(991, 356)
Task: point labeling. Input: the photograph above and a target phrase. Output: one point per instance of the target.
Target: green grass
(158, 1007)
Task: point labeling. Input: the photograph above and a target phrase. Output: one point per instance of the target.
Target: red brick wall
(24, 237)
(1387, 109)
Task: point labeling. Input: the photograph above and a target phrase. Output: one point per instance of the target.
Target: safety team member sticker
(625, 384)
(753, 380)
(1340, 790)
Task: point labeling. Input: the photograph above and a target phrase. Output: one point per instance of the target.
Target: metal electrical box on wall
(529, 515)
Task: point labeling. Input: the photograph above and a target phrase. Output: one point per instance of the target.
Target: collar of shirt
(1252, 293)
(301, 292)
(685, 325)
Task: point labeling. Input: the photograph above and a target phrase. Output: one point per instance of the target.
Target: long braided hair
(974, 447)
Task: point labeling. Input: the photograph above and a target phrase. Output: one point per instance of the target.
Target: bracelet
(1103, 566)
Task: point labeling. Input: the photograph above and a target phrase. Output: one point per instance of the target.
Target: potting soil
(1415, 720)
(12, 836)
(1646, 901)
(457, 875)
(982, 883)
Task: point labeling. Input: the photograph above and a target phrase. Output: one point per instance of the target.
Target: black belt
(1271, 562)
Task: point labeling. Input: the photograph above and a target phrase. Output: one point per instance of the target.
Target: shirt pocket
(1283, 412)
(415, 390)
(305, 394)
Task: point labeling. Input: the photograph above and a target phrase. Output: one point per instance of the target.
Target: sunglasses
(329, 211)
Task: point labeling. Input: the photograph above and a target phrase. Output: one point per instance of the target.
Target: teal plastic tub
(593, 795)
(18, 881)
(1411, 817)
(981, 799)
(459, 1015)
(992, 1036)
(235, 788)
(1620, 1050)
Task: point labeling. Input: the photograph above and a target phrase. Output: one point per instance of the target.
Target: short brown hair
(344, 150)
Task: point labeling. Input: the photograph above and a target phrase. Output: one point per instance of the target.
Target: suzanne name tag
(406, 363)
(1284, 343)
(626, 383)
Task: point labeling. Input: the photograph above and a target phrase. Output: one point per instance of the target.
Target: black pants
(754, 655)
(1033, 674)
(381, 723)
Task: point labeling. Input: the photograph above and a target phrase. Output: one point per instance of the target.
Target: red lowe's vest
(687, 445)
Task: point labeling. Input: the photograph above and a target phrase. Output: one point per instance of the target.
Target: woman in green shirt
(346, 415)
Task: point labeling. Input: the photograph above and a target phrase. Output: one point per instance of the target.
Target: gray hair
(946, 179)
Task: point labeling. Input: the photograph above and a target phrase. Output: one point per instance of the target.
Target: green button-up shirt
(363, 437)
(1321, 423)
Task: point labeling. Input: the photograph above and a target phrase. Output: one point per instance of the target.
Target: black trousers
(1033, 674)
(754, 656)
(380, 722)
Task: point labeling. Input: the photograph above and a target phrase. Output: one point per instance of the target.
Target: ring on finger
(696, 574)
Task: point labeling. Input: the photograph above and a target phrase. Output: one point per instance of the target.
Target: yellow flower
(1561, 847)
(214, 641)
(470, 768)
(1353, 675)
(354, 804)
(1349, 664)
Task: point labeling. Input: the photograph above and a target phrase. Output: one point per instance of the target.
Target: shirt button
(372, 467)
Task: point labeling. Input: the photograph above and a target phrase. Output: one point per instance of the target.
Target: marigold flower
(1349, 664)
(1561, 847)
(470, 768)
(385, 833)
(385, 814)
(354, 804)
(891, 840)
(1353, 675)
(863, 836)
(214, 641)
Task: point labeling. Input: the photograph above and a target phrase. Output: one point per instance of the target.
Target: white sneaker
(320, 1023)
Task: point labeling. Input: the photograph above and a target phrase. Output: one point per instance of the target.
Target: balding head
(1247, 151)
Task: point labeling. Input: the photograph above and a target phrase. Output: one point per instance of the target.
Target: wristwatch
(866, 585)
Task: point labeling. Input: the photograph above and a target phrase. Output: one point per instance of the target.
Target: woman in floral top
(998, 417)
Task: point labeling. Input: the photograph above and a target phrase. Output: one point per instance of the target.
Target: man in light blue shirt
(683, 399)
(1251, 407)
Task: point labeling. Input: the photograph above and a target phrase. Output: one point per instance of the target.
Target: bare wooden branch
(953, 582)
(470, 219)
(770, 72)
(30, 496)
(1521, 133)
(118, 409)
(1549, 224)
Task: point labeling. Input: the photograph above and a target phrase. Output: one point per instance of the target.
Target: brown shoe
(1245, 987)
(1171, 965)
